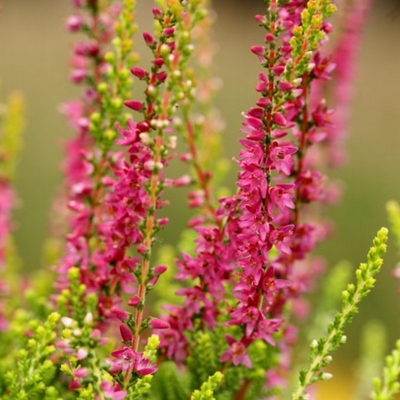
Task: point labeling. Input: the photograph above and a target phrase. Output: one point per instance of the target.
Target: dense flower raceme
(7, 203)
(261, 239)
(89, 67)
(117, 196)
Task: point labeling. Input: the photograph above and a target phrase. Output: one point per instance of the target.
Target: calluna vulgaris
(245, 261)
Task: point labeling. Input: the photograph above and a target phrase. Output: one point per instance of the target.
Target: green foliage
(203, 361)
(31, 371)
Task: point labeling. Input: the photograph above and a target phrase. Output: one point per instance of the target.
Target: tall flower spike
(11, 126)
(261, 234)
(139, 176)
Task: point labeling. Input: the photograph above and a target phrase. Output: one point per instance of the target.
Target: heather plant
(218, 313)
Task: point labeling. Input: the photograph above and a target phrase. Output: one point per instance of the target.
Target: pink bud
(78, 75)
(185, 157)
(278, 133)
(74, 23)
(150, 41)
(269, 37)
(279, 119)
(261, 86)
(260, 19)
(169, 31)
(126, 333)
(134, 104)
(81, 353)
(139, 72)
(161, 76)
(119, 314)
(143, 126)
(74, 385)
(264, 102)
(258, 50)
(156, 323)
(284, 85)
(183, 181)
(134, 301)
(160, 269)
(158, 62)
(157, 12)
(81, 372)
(163, 221)
(277, 70)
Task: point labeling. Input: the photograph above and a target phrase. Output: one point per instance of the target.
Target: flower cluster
(232, 330)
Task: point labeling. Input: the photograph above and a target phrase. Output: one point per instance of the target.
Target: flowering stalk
(12, 124)
(322, 348)
(259, 234)
(140, 177)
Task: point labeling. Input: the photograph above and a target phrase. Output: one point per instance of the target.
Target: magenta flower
(126, 359)
(236, 353)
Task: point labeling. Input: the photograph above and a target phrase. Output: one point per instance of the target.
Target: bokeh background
(34, 56)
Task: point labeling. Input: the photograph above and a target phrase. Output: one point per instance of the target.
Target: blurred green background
(34, 59)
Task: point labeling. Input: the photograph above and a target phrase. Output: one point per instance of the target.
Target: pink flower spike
(134, 104)
(156, 323)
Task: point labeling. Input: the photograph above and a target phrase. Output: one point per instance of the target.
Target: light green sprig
(206, 391)
(12, 125)
(388, 386)
(393, 210)
(351, 297)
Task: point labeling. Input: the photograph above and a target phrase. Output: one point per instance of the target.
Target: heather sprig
(387, 387)
(393, 211)
(321, 349)
(12, 121)
(32, 375)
